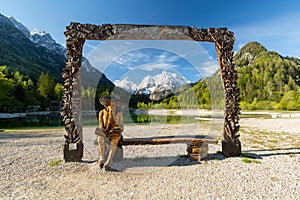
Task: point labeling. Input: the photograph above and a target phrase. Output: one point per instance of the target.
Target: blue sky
(136, 59)
(274, 23)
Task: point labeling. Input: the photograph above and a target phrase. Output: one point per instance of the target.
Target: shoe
(101, 164)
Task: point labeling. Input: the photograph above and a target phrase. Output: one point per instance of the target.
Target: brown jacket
(107, 120)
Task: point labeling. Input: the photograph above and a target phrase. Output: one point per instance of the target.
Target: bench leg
(197, 152)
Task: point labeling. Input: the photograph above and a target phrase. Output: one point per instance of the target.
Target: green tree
(3, 71)
(290, 101)
(46, 88)
(6, 94)
(59, 91)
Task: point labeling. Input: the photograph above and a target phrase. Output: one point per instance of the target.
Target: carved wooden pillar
(71, 111)
(224, 41)
(231, 145)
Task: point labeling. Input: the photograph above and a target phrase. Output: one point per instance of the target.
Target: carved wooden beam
(76, 34)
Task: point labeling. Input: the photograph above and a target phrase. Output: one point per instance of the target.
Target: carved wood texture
(76, 34)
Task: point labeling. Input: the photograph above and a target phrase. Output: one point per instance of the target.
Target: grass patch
(255, 141)
(246, 160)
(289, 137)
(256, 161)
(251, 133)
(270, 146)
(273, 141)
(273, 178)
(53, 163)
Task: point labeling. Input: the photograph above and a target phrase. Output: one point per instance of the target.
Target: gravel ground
(268, 169)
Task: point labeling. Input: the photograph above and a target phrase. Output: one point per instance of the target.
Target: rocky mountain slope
(17, 51)
(42, 44)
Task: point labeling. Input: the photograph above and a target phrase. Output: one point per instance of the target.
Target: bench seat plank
(188, 139)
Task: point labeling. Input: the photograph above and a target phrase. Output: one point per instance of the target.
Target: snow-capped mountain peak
(42, 38)
(147, 82)
(39, 37)
(160, 83)
(126, 84)
(172, 80)
(38, 32)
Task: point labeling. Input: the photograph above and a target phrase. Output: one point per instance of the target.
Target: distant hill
(267, 80)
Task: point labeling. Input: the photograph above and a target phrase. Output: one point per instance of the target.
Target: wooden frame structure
(76, 34)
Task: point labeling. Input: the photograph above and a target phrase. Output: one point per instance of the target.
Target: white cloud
(156, 66)
(166, 57)
(131, 68)
(150, 61)
(133, 57)
(209, 68)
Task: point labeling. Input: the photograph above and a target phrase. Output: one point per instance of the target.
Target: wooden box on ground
(231, 149)
(73, 152)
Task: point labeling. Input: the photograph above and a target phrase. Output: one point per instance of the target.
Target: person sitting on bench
(111, 126)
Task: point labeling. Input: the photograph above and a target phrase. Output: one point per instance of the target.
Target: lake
(89, 118)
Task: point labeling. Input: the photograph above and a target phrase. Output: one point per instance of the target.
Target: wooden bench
(197, 146)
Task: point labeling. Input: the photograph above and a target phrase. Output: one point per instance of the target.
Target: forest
(266, 80)
(18, 93)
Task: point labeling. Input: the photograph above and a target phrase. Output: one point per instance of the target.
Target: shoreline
(203, 112)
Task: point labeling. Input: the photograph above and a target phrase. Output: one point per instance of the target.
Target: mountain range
(39, 37)
(18, 52)
(266, 79)
(156, 87)
(34, 52)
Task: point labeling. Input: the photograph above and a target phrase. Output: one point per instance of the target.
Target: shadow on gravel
(259, 153)
(142, 162)
(274, 152)
(89, 161)
(183, 160)
(15, 135)
(158, 161)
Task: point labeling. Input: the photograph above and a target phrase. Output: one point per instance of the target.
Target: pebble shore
(268, 169)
